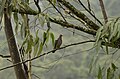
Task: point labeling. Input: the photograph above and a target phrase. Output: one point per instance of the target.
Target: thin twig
(37, 5)
(89, 6)
(57, 10)
(5, 56)
(79, 14)
(40, 67)
(36, 76)
(89, 12)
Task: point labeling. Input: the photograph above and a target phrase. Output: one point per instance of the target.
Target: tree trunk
(13, 47)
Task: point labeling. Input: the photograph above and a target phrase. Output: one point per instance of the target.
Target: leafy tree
(29, 18)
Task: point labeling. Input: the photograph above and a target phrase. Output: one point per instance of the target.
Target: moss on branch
(79, 14)
(68, 25)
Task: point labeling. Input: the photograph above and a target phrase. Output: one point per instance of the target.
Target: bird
(58, 43)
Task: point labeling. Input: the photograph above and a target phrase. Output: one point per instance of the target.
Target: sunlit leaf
(36, 49)
(25, 24)
(24, 6)
(28, 47)
(40, 49)
(30, 43)
(47, 37)
(100, 73)
(114, 32)
(37, 38)
(36, 44)
(25, 41)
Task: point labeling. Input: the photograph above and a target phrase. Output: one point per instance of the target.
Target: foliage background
(73, 62)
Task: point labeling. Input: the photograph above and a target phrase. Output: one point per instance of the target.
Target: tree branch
(68, 25)
(46, 54)
(66, 46)
(103, 11)
(5, 56)
(89, 12)
(57, 10)
(79, 14)
(25, 12)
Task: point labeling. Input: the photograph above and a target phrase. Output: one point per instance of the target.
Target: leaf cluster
(108, 33)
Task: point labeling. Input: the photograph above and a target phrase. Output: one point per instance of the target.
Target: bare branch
(89, 12)
(89, 6)
(37, 4)
(5, 56)
(57, 10)
(103, 11)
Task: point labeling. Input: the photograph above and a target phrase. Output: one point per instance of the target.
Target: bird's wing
(56, 41)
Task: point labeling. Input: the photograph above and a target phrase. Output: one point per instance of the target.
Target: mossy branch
(79, 14)
(68, 25)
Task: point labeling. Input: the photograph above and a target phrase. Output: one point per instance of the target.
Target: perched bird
(58, 43)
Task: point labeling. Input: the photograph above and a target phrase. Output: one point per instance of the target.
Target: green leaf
(98, 35)
(48, 34)
(106, 45)
(29, 47)
(108, 73)
(25, 24)
(36, 44)
(113, 66)
(100, 73)
(44, 37)
(54, 2)
(25, 41)
(15, 15)
(53, 38)
(41, 20)
(98, 45)
(114, 32)
(48, 22)
(91, 65)
(118, 36)
(23, 6)
(22, 32)
(30, 43)
(36, 49)
(31, 40)
(40, 49)
(37, 38)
